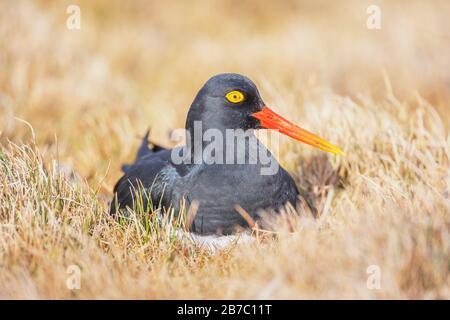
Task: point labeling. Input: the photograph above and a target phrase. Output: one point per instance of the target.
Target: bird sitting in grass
(213, 178)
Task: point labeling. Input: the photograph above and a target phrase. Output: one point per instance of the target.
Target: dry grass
(381, 95)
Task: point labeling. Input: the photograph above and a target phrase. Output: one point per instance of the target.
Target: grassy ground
(73, 104)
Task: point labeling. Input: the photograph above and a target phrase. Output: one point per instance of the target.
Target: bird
(227, 102)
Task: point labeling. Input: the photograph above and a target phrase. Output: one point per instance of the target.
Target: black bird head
(226, 101)
(232, 101)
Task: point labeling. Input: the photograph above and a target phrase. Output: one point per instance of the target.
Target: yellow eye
(235, 96)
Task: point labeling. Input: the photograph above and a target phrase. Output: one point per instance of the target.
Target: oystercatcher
(221, 178)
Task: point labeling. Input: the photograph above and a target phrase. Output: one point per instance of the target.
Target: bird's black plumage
(217, 188)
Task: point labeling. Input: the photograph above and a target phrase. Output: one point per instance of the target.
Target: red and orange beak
(271, 120)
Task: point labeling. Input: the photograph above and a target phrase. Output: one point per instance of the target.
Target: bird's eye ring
(235, 96)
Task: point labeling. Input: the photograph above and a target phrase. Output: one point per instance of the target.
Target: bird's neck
(222, 145)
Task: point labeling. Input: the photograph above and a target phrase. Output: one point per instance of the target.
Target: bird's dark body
(217, 188)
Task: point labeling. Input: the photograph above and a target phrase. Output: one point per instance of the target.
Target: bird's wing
(144, 151)
(147, 175)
